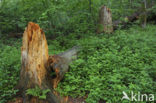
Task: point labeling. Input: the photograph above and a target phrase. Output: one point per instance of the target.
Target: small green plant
(9, 69)
(108, 65)
(37, 92)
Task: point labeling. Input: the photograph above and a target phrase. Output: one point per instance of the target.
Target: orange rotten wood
(37, 65)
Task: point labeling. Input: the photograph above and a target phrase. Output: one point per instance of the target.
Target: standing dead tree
(105, 21)
(106, 25)
(37, 65)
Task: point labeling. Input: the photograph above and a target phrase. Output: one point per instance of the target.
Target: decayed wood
(135, 16)
(105, 21)
(60, 63)
(131, 18)
(34, 53)
(34, 57)
(37, 65)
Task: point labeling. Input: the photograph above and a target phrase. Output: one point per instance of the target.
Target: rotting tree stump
(37, 65)
(105, 21)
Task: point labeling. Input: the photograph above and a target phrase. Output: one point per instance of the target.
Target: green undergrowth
(110, 64)
(106, 65)
(37, 92)
(9, 68)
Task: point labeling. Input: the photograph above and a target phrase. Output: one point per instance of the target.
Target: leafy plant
(110, 64)
(38, 92)
(107, 64)
(9, 69)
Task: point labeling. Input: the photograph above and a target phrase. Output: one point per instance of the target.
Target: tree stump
(37, 65)
(105, 21)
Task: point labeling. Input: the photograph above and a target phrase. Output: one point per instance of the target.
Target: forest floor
(107, 64)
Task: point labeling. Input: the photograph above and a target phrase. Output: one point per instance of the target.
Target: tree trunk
(122, 23)
(141, 13)
(143, 17)
(37, 65)
(105, 21)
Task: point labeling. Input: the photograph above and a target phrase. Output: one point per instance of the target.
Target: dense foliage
(107, 64)
(9, 68)
(59, 17)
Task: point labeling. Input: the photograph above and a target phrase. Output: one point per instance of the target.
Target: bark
(60, 63)
(135, 16)
(128, 19)
(144, 16)
(37, 65)
(139, 14)
(105, 21)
